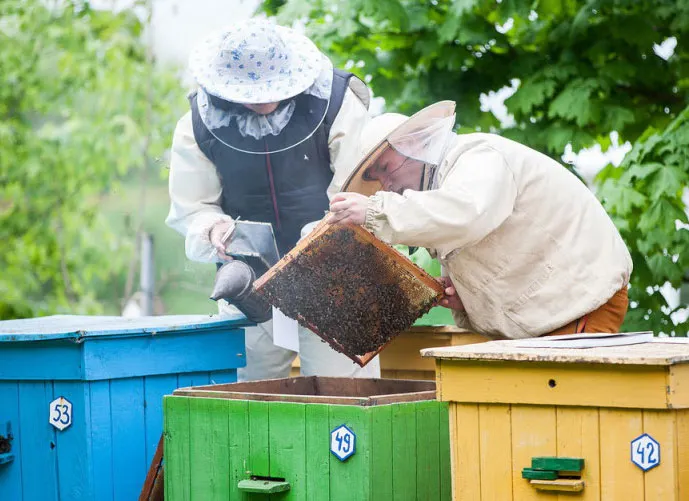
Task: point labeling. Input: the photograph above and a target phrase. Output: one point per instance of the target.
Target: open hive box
(318, 389)
(354, 291)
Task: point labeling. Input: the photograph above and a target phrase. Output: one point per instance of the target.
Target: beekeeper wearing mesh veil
(272, 132)
(527, 248)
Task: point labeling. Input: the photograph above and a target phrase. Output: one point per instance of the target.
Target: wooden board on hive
(319, 390)
(354, 291)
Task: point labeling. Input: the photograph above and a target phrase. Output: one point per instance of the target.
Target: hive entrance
(351, 289)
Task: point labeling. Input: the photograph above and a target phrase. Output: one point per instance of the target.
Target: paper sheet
(285, 331)
(584, 340)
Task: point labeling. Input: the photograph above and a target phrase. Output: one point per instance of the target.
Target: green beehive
(307, 438)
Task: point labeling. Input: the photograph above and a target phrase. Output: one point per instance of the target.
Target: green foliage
(584, 68)
(81, 105)
(644, 196)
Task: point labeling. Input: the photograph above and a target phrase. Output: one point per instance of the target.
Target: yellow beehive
(624, 410)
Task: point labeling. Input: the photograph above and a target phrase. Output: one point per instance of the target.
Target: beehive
(623, 411)
(351, 289)
(221, 439)
(102, 379)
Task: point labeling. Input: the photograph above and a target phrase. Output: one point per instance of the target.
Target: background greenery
(86, 117)
(82, 106)
(585, 68)
(182, 286)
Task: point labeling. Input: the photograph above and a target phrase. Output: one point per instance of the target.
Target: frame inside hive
(354, 291)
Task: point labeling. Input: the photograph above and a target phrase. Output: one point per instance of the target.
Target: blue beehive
(112, 373)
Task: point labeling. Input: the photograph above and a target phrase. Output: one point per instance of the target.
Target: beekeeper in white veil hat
(527, 248)
(272, 132)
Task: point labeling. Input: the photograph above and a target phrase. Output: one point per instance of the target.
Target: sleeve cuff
(197, 244)
(375, 219)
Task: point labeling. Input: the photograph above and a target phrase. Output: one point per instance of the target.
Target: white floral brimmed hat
(256, 62)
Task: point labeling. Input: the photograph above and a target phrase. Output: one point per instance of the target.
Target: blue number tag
(60, 413)
(645, 452)
(342, 442)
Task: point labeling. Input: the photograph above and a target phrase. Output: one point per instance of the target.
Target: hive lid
(84, 326)
(659, 351)
(354, 291)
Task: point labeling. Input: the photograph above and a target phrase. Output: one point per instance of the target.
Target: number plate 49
(342, 442)
(61, 413)
(645, 452)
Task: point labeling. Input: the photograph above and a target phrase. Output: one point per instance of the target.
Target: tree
(583, 70)
(644, 198)
(81, 105)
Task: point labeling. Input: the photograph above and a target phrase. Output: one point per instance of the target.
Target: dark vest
(286, 189)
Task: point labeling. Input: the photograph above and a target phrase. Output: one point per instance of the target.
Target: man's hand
(451, 299)
(218, 237)
(348, 208)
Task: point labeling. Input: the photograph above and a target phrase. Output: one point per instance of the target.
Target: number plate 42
(645, 452)
(60, 413)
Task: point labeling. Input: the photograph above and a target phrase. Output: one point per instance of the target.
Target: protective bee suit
(528, 247)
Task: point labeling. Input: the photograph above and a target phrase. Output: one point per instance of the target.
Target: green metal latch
(259, 485)
(532, 474)
(557, 464)
(549, 473)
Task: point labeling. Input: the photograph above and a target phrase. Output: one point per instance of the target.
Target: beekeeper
(271, 130)
(527, 248)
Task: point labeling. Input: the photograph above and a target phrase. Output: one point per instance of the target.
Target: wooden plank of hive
(344, 274)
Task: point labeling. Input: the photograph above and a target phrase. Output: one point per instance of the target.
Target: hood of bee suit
(424, 136)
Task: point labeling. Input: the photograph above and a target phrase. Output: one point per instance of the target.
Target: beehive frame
(329, 278)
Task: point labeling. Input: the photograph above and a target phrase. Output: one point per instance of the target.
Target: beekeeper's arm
(195, 192)
(345, 134)
(477, 194)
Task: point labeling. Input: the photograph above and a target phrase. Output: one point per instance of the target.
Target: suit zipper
(269, 168)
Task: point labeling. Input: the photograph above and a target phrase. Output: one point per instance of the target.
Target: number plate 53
(60, 413)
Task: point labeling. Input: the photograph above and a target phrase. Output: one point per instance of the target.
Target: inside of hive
(349, 292)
